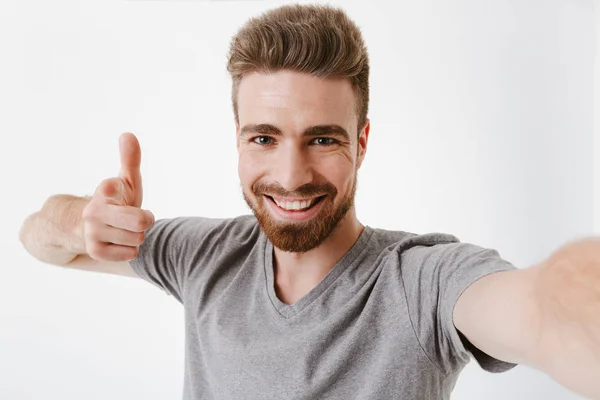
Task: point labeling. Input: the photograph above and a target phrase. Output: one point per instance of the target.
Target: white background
(482, 126)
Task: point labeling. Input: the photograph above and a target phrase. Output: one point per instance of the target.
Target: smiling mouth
(296, 205)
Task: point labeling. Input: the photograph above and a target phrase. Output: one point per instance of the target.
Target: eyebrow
(313, 131)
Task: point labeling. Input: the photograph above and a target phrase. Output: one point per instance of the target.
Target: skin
(286, 164)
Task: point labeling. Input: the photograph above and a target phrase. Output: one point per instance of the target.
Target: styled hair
(319, 40)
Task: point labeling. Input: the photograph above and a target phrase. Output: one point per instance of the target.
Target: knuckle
(127, 238)
(138, 238)
(107, 187)
(149, 221)
(133, 253)
(147, 224)
(104, 184)
(140, 223)
(91, 233)
(94, 211)
(93, 249)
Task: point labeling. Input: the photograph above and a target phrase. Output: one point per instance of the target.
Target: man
(300, 300)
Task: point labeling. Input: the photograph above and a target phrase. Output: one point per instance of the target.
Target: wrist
(74, 225)
(64, 213)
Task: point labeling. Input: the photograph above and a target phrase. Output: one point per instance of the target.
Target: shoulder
(189, 233)
(412, 251)
(205, 227)
(409, 244)
(197, 223)
(442, 255)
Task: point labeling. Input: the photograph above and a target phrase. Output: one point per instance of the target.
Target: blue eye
(263, 140)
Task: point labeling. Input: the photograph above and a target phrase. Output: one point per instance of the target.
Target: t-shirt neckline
(289, 310)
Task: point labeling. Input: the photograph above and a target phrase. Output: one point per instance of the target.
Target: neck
(297, 273)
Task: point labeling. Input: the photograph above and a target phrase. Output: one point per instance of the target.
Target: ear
(363, 139)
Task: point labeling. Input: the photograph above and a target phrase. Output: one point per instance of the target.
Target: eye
(263, 140)
(325, 141)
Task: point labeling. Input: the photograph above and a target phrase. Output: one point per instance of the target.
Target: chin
(300, 236)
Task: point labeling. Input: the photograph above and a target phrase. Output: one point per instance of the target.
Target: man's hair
(318, 40)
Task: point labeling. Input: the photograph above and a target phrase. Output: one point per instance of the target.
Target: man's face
(298, 155)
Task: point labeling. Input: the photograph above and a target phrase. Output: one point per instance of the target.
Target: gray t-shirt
(378, 326)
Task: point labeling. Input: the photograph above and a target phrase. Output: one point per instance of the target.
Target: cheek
(339, 171)
(249, 168)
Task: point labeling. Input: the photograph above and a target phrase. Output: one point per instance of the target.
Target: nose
(293, 168)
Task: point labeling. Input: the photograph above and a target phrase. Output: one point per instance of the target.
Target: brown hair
(316, 39)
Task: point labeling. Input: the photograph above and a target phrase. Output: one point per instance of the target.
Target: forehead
(295, 97)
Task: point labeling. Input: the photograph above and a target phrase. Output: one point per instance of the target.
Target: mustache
(307, 190)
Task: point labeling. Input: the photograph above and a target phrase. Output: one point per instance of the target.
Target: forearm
(568, 295)
(54, 235)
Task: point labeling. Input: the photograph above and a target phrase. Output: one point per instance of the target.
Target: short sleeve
(164, 256)
(434, 277)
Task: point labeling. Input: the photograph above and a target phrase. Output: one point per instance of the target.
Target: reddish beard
(300, 237)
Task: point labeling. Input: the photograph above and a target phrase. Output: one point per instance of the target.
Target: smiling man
(300, 300)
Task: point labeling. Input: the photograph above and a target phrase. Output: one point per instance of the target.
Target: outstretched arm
(546, 316)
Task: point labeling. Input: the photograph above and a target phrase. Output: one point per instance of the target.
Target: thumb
(131, 158)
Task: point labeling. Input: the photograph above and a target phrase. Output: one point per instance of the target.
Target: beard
(300, 237)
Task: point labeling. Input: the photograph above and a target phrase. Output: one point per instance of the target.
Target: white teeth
(295, 205)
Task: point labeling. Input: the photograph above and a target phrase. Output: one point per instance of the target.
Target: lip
(292, 215)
